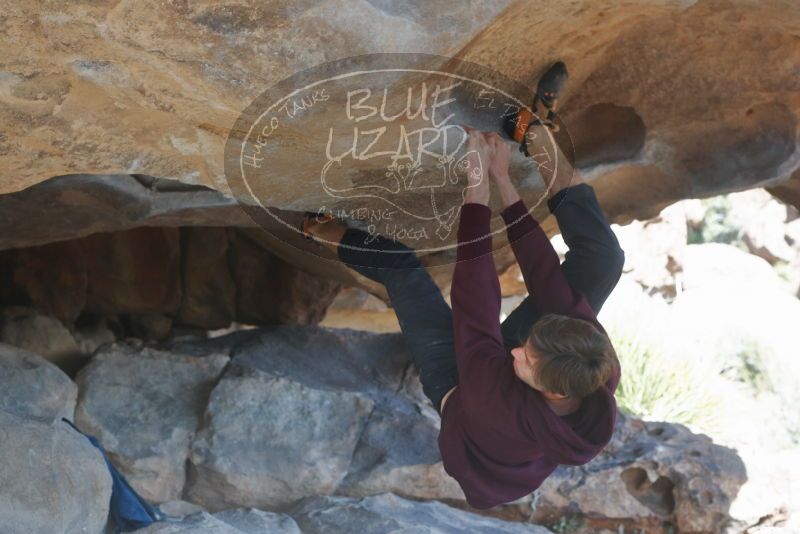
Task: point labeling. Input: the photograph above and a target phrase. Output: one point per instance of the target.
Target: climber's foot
(327, 230)
(542, 109)
(551, 84)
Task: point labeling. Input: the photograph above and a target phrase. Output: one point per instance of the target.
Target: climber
(519, 398)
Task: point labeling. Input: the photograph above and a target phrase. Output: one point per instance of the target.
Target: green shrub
(567, 525)
(658, 385)
(749, 367)
(719, 224)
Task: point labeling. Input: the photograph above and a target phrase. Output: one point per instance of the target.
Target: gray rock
(268, 440)
(30, 386)
(252, 521)
(53, 479)
(198, 523)
(179, 508)
(399, 453)
(329, 358)
(387, 513)
(93, 334)
(240, 521)
(651, 472)
(26, 328)
(144, 405)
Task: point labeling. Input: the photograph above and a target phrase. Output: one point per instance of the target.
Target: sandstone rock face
(654, 114)
(152, 113)
(145, 406)
(54, 480)
(30, 386)
(134, 271)
(153, 280)
(270, 291)
(209, 289)
(389, 513)
(35, 271)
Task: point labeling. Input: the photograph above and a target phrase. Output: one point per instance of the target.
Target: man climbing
(518, 398)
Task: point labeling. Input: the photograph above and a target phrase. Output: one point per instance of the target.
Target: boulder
(54, 480)
(284, 421)
(398, 452)
(388, 513)
(92, 331)
(268, 440)
(234, 521)
(353, 360)
(649, 474)
(197, 523)
(30, 386)
(252, 521)
(26, 328)
(145, 405)
(179, 508)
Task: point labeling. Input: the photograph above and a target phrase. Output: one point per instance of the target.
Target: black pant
(593, 266)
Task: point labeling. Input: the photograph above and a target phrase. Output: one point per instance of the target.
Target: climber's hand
(477, 161)
(501, 154)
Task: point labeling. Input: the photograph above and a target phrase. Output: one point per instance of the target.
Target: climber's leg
(593, 262)
(425, 318)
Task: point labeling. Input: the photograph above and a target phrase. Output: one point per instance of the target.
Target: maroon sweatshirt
(499, 439)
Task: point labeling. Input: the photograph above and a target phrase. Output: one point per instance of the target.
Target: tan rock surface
(667, 99)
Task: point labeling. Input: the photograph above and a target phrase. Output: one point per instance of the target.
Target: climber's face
(525, 364)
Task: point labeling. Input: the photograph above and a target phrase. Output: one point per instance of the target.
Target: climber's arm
(475, 296)
(475, 290)
(541, 267)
